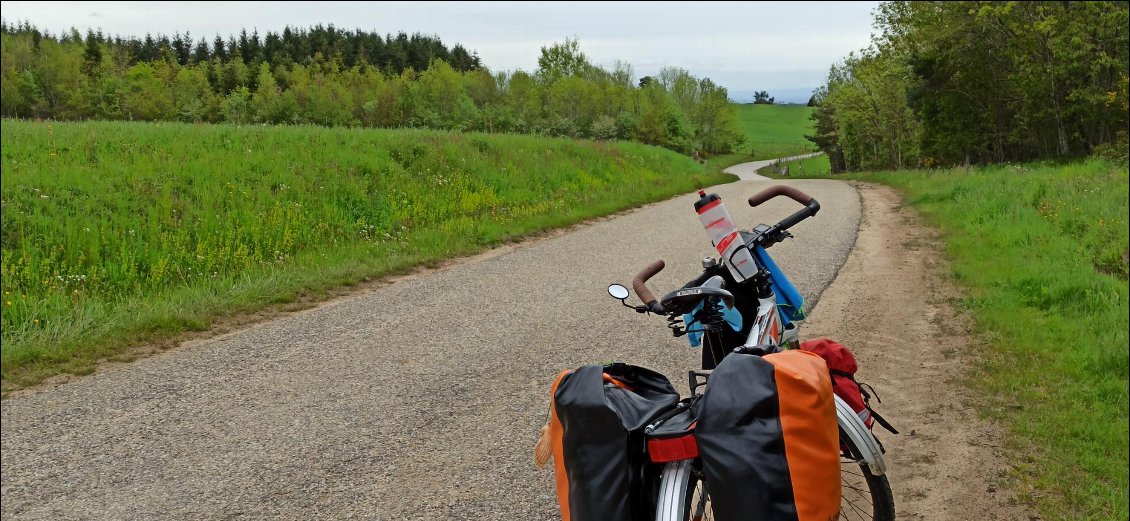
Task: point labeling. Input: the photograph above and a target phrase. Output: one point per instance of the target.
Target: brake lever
(772, 237)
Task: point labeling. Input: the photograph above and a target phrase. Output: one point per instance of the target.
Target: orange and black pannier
(597, 418)
(768, 438)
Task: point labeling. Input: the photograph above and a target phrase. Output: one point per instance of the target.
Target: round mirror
(618, 291)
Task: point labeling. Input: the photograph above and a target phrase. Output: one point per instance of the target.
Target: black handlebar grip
(774, 191)
(648, 272)
(802, 214)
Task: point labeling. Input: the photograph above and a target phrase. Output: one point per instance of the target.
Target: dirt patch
(893, 305)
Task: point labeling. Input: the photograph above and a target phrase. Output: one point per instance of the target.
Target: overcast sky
(782, 47)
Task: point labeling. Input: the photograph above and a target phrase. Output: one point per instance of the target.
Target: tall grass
(116, 233)
(774, 131)
(1041, 251)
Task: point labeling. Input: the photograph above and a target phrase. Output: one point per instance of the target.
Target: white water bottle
(725, 236)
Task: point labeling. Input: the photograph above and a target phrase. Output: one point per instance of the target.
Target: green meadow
(118, 233)
(771, 132)
(774, 131)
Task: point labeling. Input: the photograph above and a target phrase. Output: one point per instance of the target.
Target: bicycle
(683, 493)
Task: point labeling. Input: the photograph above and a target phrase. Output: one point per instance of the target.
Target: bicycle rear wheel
(684, 494)
(863, 495)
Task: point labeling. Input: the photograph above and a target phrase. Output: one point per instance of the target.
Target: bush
(603, 128)
(1115, 151)
(237, 107)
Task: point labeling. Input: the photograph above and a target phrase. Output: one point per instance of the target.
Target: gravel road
(418, 400)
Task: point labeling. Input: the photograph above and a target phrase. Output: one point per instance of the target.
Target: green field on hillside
(818, 167)
(774, 131)
(1041, 253)
(771, 131)
(120, 233)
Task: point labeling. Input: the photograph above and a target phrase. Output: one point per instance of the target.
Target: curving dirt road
(422, 399)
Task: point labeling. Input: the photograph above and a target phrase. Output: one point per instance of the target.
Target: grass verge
(1041, 252)
(115, 234)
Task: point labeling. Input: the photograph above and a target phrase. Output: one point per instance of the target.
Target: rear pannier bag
(768, 438)
(598, 416)
(842, 367)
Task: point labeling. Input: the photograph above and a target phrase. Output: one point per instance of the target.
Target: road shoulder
(893, 305)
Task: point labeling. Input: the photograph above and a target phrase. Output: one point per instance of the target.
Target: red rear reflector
(663, 450)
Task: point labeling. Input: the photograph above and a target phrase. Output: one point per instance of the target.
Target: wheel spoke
(863, 514)
(699, 508)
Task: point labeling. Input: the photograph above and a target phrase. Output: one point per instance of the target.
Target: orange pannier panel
(768, 438)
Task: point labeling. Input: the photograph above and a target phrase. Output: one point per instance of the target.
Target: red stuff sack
(842, 367)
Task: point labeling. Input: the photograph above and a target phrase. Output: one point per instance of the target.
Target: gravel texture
(418, 400)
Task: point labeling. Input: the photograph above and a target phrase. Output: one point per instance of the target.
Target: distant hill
(797, 95)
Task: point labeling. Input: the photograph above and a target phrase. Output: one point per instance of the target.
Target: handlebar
(810, 209)
(773, 235)
(645, 294)
(773, 191)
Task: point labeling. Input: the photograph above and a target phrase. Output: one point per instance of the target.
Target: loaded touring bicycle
(767, 419)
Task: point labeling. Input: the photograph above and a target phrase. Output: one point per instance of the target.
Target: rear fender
(861, 437)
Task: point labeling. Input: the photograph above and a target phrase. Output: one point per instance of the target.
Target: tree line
(391, 53)
(948, 83)
(327, 76)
